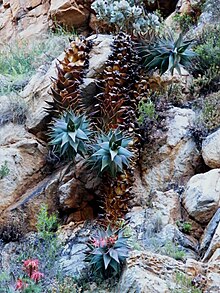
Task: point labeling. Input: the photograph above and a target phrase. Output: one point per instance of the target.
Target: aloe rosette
(69, 135)
(111, 153)
(108, 251)
(167, 54)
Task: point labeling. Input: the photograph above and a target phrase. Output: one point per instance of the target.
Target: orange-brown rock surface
(24, 20)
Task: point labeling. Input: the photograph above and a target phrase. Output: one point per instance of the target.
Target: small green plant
(146, 109)
(111, 153)
(107, 252)
(4, 170)
(211, 111)
(173, 251)
(184, 284)
(185, 227)
(19, 60)
(207, 49)
(46, 224)
(185, 21)
(166, 54)
(69, 135)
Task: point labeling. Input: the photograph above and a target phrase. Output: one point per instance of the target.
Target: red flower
(95, 242)
(33, 263)
(112, 240)
(36, 276)
(30, 266)
(20, 285)
(103, 242)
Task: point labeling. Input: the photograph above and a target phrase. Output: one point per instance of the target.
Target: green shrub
(19, 60)
(184, 284)
(111, 153)
(208, 47)
(173, 251)
(185, 227)
(46, 224)
(166, 54)
(4, 170)
(210, 115)
(146, 109)
(125, 16)
(107, 252)
(184, 21)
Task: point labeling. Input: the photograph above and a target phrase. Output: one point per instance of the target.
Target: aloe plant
(167, 54)
(111, 153)
(108, 251)
(69, 135)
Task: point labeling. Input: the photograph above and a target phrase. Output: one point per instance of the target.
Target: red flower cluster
(20, 285)
(31, 268)
(103, 242)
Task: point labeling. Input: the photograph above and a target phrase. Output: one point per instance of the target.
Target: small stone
(211, 150)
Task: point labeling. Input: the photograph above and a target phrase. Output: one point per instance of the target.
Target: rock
(140, 195)
(43, 192)
(209, 232)
(138, 279)
(74, 237)
(211, 150)
(214, 245)
(155, 226)
(35, 94)
(23, 20)
(202, 195)
(74, 264)
(88, 88)
(25, 158)
(149, 272)
(12, 109)
(173, 158)
(184, 6)
(77, 191)
(99, 54)
(69, 13)
(216, 256)
(73, 195)
(11, 133)
(210, 14)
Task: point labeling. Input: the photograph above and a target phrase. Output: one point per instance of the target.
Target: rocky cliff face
(23, 20)
(167, 191)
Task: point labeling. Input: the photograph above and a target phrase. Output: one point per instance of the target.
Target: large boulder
(69, 13)
(149, 272)
(35, 95)
(202, 195)
(23, 20)
(25, 158)
(211, 150)
(173, 158)
(154, 225)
